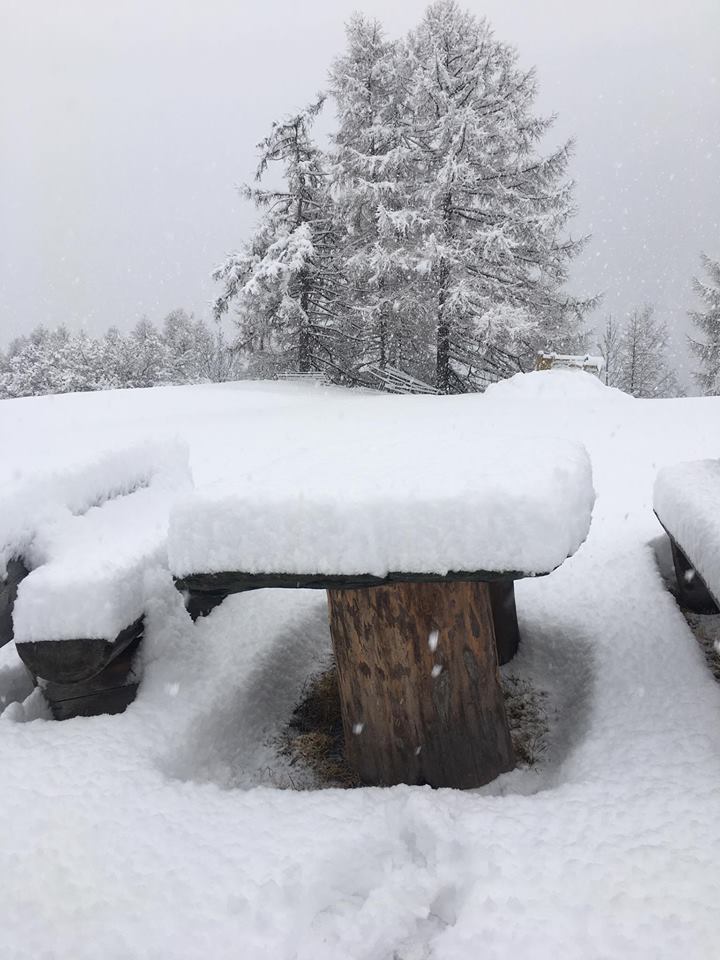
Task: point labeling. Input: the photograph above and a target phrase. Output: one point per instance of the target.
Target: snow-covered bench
(74, 593)
(406, 538)
(687, 504)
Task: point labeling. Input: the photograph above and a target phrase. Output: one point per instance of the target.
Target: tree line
(183, 350)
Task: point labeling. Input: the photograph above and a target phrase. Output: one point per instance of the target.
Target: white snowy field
(172, 831)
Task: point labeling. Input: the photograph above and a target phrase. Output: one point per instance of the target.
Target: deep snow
(160, 833)
(389, 495)
(89, 563)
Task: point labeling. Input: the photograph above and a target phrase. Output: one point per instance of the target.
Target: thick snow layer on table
(687, 501)
(423, 503)
(89, 566)
(165, 832)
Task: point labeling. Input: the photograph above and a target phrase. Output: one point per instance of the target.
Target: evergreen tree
(285, 281)
(707, 322)
(610, 346)
(116, 360)
(371, 180)
(643, 369)
(493, 210)
(148, 356)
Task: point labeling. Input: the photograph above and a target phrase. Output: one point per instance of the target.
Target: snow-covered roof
(580, 361)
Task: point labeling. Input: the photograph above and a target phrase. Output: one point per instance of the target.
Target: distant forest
(183, 350)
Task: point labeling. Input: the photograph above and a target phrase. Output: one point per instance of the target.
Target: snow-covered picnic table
(406, 538)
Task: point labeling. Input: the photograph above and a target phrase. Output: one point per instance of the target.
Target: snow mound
(687, 500)
(31, 506)
(422, 503)
(554, 385)
(89, 567)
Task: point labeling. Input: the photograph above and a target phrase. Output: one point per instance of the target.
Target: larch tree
(707, 323)
(643, 369)
(494, 210)
(610, 347)
(371, 177)
(285, 282)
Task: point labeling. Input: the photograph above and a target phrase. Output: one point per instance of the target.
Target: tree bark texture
(419, 686)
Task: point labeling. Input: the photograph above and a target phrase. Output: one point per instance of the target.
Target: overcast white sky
(124, 127)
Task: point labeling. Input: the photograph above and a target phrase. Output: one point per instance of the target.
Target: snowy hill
(173, 829)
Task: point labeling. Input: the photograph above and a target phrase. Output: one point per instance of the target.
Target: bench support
(691, 587)
(419, 686)
(504, 612)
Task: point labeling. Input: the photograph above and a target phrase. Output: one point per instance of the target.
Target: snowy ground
(165, 832)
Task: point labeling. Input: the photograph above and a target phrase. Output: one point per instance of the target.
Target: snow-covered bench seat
(405, 534)
(78, 610)
(687, 504)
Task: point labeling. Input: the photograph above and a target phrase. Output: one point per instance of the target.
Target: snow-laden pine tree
(609, 347)
(49, 361)
(642, 364)
(148, 356)
(493, 208)
(707, 322)
(372, 178)
(285, 281)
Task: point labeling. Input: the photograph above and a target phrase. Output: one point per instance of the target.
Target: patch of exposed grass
(314, 737)
(706, 629)
(526, 709)
(314, 742)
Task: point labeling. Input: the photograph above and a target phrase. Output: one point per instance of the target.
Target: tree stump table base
(419, 685)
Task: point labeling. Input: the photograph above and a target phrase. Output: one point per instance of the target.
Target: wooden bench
(75, 606)
(687, 505)
(417, 650)
(85, 676)
(79, 676)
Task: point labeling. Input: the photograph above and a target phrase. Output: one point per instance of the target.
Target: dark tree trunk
(419, 685)
(442, 354)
